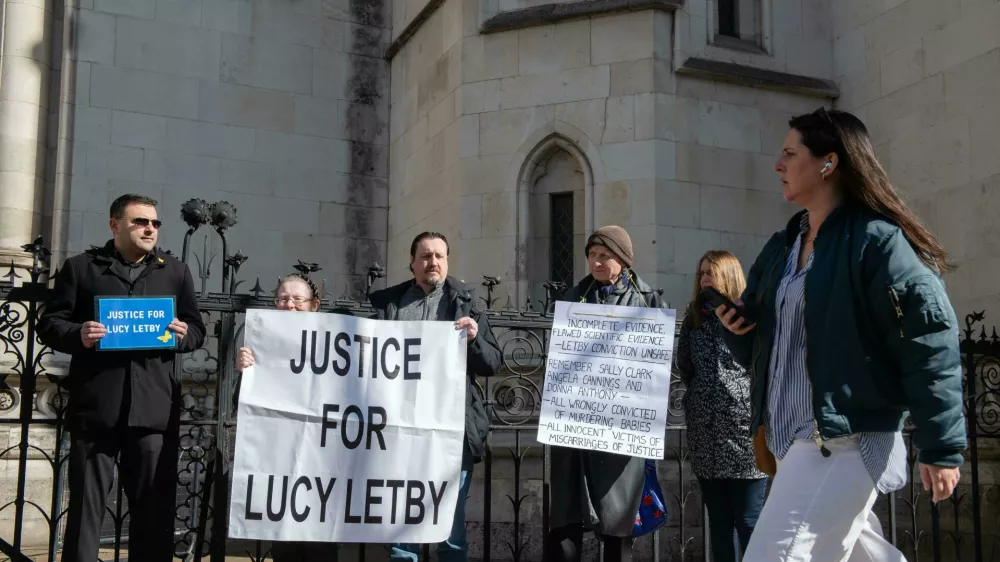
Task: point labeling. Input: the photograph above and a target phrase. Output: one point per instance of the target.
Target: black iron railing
(508, 508)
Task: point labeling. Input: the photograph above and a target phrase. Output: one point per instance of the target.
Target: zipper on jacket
(899, 310)
(816, 435)
(756, 356)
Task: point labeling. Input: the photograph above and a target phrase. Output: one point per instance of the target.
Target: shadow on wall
(369, 160)
(60, 122)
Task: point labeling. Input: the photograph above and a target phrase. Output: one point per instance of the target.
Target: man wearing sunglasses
(122, 404)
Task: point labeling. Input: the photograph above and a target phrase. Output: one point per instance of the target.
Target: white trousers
(820, 509)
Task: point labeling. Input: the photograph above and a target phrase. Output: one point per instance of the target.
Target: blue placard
(136, 322)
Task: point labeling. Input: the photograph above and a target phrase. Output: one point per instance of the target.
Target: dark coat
(600, 491)
(483, 358)
(883, 339)
(108, 389)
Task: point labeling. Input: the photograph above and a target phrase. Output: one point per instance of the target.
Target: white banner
(607, 380)
(349, 429)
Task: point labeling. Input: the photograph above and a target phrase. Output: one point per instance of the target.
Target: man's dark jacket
(483, 359)
(136, 388)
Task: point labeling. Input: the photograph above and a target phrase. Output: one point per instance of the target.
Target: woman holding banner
(294, 292)
(717, 412)
(592, 490)
(834, 379)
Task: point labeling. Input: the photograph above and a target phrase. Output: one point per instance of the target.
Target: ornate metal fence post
(490, 283)
(968, 346)
(375, 272)
(554, 290)
(195, 213)
(223, 217)
(214, 494)
(31, 292)
(235, 261)
(221, 466)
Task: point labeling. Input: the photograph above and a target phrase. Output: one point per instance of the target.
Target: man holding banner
(362, 430)
(433, 295)
(123, 311)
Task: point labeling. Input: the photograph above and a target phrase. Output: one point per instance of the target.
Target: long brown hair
(863, 180)
(728, 275)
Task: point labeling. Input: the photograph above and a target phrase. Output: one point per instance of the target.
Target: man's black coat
(107, 389)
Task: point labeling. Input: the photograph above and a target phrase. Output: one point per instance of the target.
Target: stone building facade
(341, 128)
(665, 117)
(280, 108)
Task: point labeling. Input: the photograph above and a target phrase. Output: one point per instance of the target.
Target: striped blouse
(789, 393)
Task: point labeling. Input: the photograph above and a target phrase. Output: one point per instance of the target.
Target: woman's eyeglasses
(293, 300)
(144, 222)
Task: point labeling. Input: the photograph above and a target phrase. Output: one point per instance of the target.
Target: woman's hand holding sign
(91, 332)
(244, 359)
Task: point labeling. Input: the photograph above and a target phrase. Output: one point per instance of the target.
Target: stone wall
(427, 135)
(683, 161)
(29, 66)
(793, 36)
(279, 107)
(924, 75)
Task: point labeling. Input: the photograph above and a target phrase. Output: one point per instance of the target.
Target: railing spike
(257, 289)
(12, 273)
(324, 291)
(509, 307)
(347, 292)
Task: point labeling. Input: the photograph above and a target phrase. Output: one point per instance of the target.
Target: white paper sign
(607, 381)
(350, 430)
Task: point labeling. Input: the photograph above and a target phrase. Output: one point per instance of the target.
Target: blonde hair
(728, 276)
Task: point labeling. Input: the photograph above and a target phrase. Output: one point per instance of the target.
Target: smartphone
(714, 299)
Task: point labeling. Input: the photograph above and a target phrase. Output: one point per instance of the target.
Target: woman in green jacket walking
(852, 332)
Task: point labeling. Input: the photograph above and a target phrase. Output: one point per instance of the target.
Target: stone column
(25, 68)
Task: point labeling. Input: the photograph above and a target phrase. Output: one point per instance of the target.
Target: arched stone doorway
(555, 209)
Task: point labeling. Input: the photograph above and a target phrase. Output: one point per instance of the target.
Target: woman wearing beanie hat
(591, 490)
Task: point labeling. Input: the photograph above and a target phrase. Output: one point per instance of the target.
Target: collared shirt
(131, 269)
(789, 392)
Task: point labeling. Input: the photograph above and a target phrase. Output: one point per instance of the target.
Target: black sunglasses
(143, 221)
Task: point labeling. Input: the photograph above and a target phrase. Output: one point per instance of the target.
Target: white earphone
(826, 167)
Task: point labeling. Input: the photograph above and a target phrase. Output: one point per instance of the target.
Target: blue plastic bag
(652, 509)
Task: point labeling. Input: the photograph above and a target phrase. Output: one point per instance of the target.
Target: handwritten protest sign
(136, 322)
(350, 430)
(607, 380)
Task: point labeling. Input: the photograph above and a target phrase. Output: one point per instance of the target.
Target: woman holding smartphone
(853, 332)
(717, 411)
